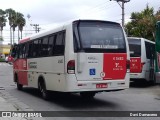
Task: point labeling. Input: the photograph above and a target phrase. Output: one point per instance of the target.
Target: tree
(20, 23)
(142, 24)
(10, 14)
(23, 22)
(2, 23)
(157, 15)
(14, 24)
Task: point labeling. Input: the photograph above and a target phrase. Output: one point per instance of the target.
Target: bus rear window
(135, 47)
(100, 37)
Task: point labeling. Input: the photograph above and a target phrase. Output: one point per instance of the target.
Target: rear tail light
(128, 64)
(142, 64)
(71, 67)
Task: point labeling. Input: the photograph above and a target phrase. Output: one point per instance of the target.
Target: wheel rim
(43, 93)
(42, 90)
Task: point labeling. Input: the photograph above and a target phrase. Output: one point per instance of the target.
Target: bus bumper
(139, 76)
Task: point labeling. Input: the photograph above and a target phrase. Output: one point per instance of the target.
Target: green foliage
(16, 19)
(2, 59)
(2, 20)
(143, 24)
(11, 16)
(20, 21)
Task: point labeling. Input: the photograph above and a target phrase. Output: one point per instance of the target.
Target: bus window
(100, 37)
(135, 47)
(30, 53)
(59, 44)
(50, 45)
(36, 49)
(150, 49)
(22, 51)
(44, 47)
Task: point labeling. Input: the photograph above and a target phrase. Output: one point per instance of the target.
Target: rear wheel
(87, 95)
(19, 86)
(44, 92)
(153, 81)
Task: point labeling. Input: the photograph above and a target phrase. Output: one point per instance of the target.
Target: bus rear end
(101, 57)
(136, 62)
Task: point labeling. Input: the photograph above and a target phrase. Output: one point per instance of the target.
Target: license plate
(101, 85)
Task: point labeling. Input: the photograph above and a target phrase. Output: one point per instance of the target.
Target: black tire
(19, 86)
(153, 82)
(87, 95)
(44, 92)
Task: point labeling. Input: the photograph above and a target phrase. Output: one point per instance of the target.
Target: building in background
(0, 47)
(4, 50)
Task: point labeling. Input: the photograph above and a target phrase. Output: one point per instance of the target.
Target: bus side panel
(55, 82)
(21, 66)
(148, 59)
(145, 67)
(51, 69)
(33, 79)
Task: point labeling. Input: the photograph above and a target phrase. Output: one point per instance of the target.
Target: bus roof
(140, 38)
(57, 29)
(41, 34)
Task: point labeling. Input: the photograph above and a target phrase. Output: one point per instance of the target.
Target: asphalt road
(139, 97)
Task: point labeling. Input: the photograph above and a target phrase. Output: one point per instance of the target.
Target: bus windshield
(101, 37)
(135, 47)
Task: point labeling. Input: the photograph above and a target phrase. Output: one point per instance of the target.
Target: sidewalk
(6, 105)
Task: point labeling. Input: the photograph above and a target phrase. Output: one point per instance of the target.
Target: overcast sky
(48, 13)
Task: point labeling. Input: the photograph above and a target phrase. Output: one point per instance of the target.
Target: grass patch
(2, 60)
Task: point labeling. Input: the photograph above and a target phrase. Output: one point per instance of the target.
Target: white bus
(142, 53)
(83, 56)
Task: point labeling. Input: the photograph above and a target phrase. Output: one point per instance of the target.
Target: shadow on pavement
(69, 100)
(141, 84)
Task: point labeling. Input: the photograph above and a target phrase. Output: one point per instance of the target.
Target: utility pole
(123, 13)
(122, 6)
(36, 27)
